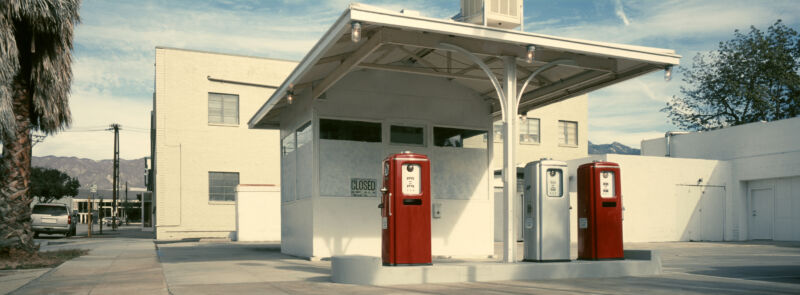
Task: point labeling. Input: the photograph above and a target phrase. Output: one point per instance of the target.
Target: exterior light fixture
(355, 31)
(289, 96)
(668, 73)
(530, 55)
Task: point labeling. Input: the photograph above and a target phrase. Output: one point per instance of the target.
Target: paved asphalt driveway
(129, 262)
(689, 268)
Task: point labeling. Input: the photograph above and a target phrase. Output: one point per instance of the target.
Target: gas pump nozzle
(383, 190)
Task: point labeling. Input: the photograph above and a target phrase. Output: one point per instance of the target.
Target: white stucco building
(756, 167)
(431, 86)
(201, 104)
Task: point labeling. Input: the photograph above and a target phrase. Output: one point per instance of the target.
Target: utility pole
(100, 215)
(115, 128)
(94, 191)
(125, 210)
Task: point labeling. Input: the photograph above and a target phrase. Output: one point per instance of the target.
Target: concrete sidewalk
(118, 265)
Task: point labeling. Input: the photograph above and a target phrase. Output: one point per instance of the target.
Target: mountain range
(613, 148)
(90, 172)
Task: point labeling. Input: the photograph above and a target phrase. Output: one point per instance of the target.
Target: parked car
(109, 221)
(53, 219)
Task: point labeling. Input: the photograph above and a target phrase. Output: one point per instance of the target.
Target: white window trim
(238, 111)
(388, 132)
(221, 202)
(539, 132)
(577, 135)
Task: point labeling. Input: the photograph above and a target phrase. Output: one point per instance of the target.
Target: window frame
(565, 132)
(412, 125)
(293, 136)
(538, 131)
(433, 136)
(380, 129)
(238, 181)
(222, 115)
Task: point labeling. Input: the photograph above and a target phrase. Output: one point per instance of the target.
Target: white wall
(755, 151)
(187, 147)
(655, 209)
(297, 218)
(748, 140)
(351, 225)
(258, 213)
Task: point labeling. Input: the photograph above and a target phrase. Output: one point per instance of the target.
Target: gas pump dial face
(386, 169)
(607, 189)
(411, 179)
(553, 183)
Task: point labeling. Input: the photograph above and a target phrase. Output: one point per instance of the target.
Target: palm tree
(35, 78)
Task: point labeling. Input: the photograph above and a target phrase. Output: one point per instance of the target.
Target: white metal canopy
(488, 60)
(412, 44)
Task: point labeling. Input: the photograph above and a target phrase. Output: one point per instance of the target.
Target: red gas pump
(599, 211)
(406, 209)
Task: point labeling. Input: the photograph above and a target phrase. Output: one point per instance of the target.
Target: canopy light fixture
(668, 73)
(530, 55)
(355, 31)
(289, 96)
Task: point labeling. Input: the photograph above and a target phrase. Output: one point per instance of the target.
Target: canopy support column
(509, 167)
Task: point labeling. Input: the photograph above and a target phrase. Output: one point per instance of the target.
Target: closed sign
(411, 179)
(363, 187)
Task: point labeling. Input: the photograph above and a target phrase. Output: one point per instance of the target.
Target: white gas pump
(546, 211)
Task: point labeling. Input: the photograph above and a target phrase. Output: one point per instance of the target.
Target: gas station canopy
(408, 43)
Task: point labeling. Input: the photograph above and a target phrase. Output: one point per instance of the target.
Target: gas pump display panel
(553, 183)
(607, 184)
(411, 179)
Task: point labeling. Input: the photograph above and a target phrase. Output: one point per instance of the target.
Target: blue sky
(114, 53)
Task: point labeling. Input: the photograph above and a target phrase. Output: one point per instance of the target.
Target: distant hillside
(95, 172)
(614, 148)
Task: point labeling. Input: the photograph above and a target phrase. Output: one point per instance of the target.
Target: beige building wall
(188, 147)
(573, 109)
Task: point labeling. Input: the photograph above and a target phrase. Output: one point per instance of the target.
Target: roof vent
(506, 14)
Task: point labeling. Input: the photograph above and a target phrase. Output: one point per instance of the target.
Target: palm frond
(9, 66)
(50, 24)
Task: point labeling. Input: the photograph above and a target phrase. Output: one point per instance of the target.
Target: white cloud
(93, 109)
(671, 20)
(620, 12)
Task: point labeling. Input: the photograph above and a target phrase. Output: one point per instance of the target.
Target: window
(407, 135)
(288, 144)
(455, 137)
(49, 210)
(222, 186)
(568, 133)
(529, 131)
(349, 130)
(223, 108)
(497, 128)
(304, 134)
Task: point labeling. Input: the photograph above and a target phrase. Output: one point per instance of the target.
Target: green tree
(753, 77)
(50, 184)
(35, 77)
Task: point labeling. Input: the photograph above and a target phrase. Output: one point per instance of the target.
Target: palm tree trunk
(15, 173)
